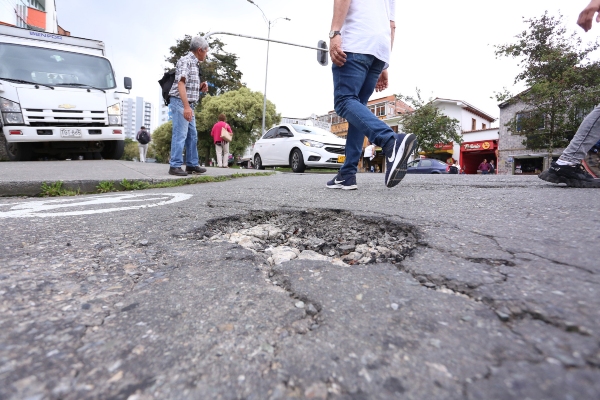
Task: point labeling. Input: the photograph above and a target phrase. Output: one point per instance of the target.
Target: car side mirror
(127, 83)
(285, 134)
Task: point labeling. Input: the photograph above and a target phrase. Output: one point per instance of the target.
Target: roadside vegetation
(56, 189)
(562, 76)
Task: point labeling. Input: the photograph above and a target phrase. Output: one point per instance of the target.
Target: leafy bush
(131, 150)
(160, 146)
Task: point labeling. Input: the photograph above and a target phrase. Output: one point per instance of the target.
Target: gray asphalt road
(132, 296)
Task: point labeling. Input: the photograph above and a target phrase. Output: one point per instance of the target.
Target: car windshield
(54, 67)
(312, 130)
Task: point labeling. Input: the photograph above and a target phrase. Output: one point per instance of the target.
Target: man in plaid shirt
(185, 94)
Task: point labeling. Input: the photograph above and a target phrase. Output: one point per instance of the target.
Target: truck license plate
(70, 133)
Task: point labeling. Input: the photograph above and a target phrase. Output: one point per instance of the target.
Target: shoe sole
(351, 187)
(171, 173)
(577, 183)
(399, 167)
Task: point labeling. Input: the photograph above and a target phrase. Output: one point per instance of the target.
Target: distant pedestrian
(143, 138)
(361, 39)
(568, 168)
(484, 167)
(221, 145)
(492, 167)
(184, 96)
(369, 155)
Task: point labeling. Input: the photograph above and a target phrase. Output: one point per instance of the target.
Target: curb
(85, 186)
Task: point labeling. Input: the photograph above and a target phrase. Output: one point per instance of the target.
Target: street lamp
(269, 23)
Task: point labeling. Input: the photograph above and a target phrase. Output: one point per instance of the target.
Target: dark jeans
(353, 84)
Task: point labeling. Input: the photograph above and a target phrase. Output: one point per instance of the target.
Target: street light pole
(269, 23)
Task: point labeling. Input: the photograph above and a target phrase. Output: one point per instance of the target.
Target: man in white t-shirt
(361, 38)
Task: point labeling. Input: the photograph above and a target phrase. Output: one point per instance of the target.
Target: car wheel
(297, 161)
(258, 162)
(19, 151)
(113, 149)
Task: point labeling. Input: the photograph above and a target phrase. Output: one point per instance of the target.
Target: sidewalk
(26, 178)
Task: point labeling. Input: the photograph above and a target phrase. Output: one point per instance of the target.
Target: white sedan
(299, 147)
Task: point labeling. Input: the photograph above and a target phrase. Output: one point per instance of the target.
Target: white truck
(58, 97)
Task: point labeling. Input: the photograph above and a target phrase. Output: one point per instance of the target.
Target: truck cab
(58, 97)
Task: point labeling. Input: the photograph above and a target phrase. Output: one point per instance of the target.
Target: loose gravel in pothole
(336, 236)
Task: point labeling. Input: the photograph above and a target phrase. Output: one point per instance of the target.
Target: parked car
(427, 166)
(299, 147)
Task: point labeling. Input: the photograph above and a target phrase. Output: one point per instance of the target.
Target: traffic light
(322, 56)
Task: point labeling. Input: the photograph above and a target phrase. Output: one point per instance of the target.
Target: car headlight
(11, 112)
(115, 109)
(311, 143)
(114, 120)
(12, 118)
(9, 106)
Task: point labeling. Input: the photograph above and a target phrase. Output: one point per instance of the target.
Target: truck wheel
(19, 151)
(113, 149)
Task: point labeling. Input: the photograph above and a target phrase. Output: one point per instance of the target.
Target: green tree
(243, 109)
(131, 150)
(219, 69)
(429, 124)
(160, 146)
(562, 82)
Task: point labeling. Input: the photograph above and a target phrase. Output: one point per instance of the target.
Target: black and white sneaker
(340, 183)
(396, 157)
(573, 175)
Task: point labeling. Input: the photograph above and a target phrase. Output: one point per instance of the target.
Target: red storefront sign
(444, 146)
(479, 146)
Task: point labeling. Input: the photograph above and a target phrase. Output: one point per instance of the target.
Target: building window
(529, 117)
(483, 126)
(473, 124)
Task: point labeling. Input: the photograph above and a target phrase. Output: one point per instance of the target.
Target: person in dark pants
(361, 39)
(568, 168)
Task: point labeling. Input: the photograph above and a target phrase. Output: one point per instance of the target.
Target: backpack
(166, 83)
(144, 137)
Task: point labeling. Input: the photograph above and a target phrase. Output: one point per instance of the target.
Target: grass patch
(56, 188)
(105, 187)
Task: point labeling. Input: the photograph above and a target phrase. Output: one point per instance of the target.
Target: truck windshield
(54, 67)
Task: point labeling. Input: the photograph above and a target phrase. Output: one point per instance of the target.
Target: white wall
(7, 11)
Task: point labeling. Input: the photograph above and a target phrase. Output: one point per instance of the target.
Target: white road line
(93, 205)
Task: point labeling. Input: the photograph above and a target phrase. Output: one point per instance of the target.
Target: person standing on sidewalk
(143, 138)
(368, 156)
(185, 94)
(361, 39)
(568, 168)
(221, 146)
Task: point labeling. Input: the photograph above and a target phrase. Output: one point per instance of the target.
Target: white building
(31, 14)
(136, 113)
(480, 139)
(313, 120)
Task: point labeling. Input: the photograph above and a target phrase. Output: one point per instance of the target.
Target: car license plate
(70, 132)
(341, 159)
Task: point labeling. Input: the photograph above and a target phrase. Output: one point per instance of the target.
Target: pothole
(329, 235)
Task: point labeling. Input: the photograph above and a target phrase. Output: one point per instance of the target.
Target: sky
(443, 48)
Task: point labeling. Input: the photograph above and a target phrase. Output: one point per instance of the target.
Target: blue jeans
(353, 84)
(184, 134)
